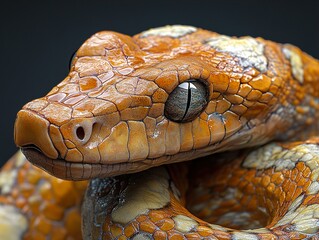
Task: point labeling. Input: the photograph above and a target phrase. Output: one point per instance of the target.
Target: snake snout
(32, 130)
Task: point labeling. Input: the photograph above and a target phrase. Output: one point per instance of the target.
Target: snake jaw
(67, 170)
(81, 170)
(78, 171)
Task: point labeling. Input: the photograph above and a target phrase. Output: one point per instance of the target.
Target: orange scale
(156, 215)
(160, 235)
(43, 225)
(53, 211)
(166, 224)
(73, 222)
(222, 235)
(122, 237)
(59, 233)
(74, 99)
(116, 230)
(130, 230)
(36, 236)
(147, 226)
(204, 231)
(175, 236)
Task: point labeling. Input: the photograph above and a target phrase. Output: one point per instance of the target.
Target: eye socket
(186, 101)
(72, 58)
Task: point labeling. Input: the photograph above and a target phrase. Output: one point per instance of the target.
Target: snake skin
(105, 121)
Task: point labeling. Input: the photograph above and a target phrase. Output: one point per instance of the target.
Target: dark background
(38, 38)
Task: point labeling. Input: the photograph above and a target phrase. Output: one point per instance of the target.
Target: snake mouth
(78, 171)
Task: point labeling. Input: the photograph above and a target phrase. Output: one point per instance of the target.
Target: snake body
(133, 112)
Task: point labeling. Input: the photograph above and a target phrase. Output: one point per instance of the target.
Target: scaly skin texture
(213, 198)
(117, 89)
(44, 206)
(106, 118)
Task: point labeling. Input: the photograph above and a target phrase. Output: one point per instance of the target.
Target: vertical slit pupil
(188, 99)
(80, 133)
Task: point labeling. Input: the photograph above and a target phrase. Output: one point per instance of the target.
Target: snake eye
(186, 101)
(72, 58)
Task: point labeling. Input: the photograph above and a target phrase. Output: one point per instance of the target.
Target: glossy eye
(186, 102)
(72, 58)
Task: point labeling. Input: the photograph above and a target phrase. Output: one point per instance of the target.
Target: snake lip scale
(78, 171)
(75, 170)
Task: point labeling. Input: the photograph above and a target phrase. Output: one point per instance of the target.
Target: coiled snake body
(131, 114)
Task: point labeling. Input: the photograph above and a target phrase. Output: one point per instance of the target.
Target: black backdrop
(37, 38)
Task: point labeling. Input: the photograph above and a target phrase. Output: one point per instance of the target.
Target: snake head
(166, 95)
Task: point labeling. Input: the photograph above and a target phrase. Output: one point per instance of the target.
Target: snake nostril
(80, 133)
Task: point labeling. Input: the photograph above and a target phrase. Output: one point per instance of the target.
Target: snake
(175, 133)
